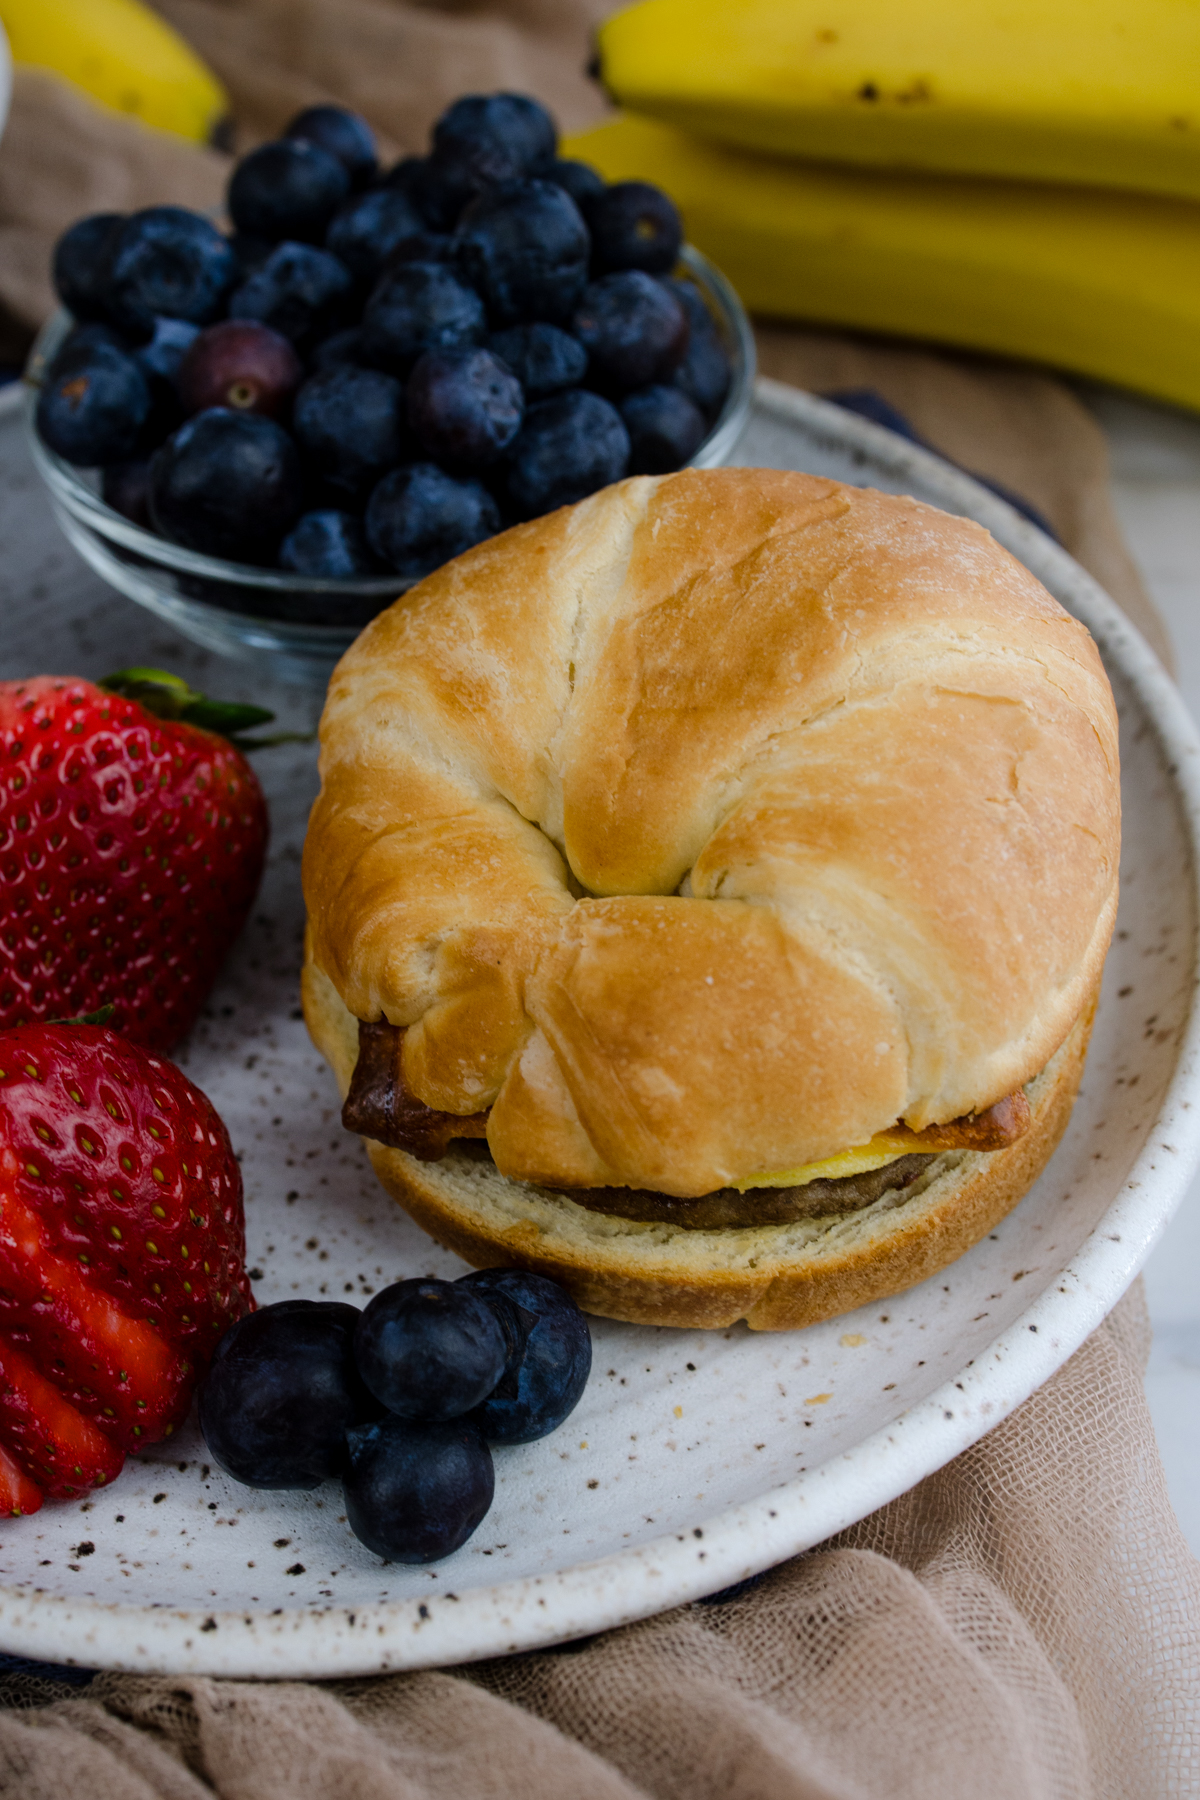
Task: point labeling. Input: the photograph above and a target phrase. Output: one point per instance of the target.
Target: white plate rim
(536, 1611)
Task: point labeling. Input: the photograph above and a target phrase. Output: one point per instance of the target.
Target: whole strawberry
(131, 848)
(122, 1251)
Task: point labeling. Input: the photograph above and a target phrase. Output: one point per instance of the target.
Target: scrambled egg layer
(885, 1147)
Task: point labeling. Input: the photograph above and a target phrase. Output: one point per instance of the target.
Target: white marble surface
(1156, 481)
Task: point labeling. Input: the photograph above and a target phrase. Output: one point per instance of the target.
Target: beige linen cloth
(1023, 1625)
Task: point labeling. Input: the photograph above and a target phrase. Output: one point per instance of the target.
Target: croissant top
(709, 827)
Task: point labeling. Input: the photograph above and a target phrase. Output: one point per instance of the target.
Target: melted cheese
(884, 1148)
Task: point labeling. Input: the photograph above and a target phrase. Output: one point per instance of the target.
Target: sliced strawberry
(63, 1452)
(17, 1493)
(122, 1247)
(116, 1368)
(131, 1169)
(131, 848)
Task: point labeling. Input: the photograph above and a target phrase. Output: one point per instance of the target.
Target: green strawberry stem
(168, 696)
(101, 1016)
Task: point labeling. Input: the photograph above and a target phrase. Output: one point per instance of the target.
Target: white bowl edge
(540, 1610)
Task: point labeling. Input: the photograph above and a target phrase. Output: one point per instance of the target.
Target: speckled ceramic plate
(694, 1458)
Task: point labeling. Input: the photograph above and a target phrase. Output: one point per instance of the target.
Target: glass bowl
(269, 616)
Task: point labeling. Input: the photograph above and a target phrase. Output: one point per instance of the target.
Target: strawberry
(131, 847)
(122, 1248)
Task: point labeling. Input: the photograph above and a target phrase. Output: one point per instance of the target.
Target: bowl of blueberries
(266, 433)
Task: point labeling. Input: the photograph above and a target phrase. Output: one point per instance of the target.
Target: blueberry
(328, 544)
(665, 429)
(282, 1392)
(569, 446)
(81, 259)
(484, 139)
(581, 181)
(300, 292)
(419, 517)
(525, 247)
(513, 131)
(289, 189)
(417, 307)
(407, 175)
(415, 1492)
(82, 339)
(434, 191)
(634, 329)
(332, 352)
(94, 406)
(369, 227)
(464, 406)
(342, 134)
(250, 253)
(634, 226)
(227, 484)
(705, 372)
(126, 488)
(349, 423)
(543, 358)
(548, 1364)
(168, 262)
(429, 1349)
(167, 348)
(242, 364)
(424, 246)
(692, 301)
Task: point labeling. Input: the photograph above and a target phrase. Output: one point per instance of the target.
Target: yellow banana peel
(124, 56)
(1105, 284)
(1105, 92)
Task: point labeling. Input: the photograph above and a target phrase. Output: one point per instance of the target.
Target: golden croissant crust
(710, 826)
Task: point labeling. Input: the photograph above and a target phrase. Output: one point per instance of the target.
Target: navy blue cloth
(723, 1596)
(868, 403)
(24, 1665)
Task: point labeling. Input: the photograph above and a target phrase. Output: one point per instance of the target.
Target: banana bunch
(1106, 284)
(1021, 178)
(124, 56)
(1102, 92)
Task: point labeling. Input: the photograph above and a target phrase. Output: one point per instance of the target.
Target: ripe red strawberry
(122, 1249)
(131, 848)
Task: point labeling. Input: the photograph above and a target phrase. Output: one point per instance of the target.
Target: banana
(1105, 284)
(1102, 92)
(124, 56)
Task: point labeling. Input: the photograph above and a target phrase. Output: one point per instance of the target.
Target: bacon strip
(995, 1128)
(380, 1106)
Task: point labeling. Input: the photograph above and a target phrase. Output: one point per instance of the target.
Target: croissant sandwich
(708, 894)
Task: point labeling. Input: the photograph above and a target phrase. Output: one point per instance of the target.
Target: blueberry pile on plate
(400, 1402)
(373, 371)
